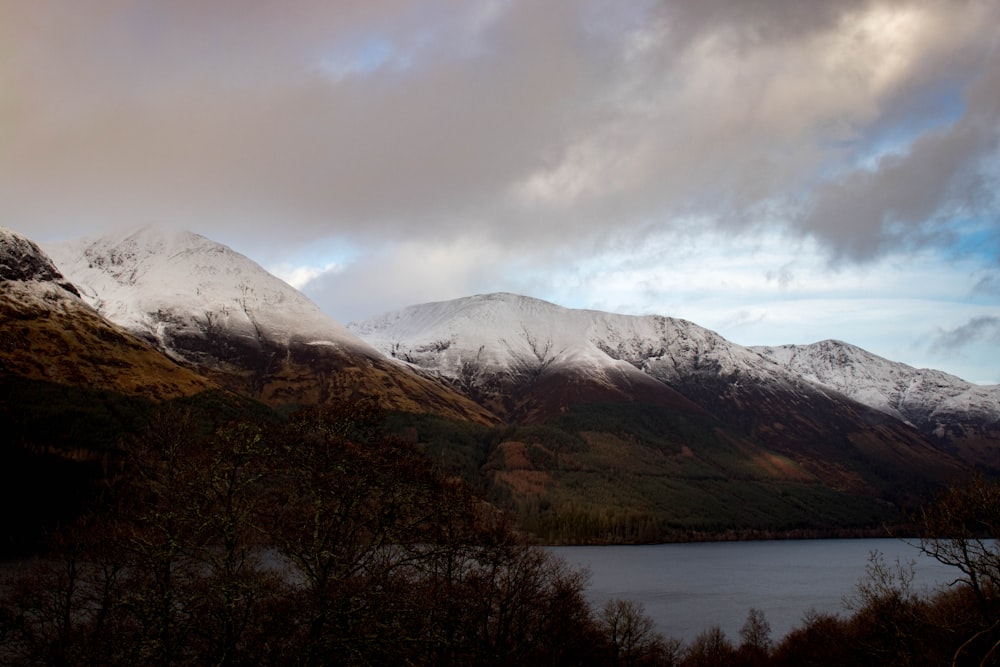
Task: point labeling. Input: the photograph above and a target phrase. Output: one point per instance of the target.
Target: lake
(687, 588)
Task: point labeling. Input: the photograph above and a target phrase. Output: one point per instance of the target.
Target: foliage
(458, 448)
(56, 437)
(39, 414)
(317, 540)
(633, 473)
(67, 438)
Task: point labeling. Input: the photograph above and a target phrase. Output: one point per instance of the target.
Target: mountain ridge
(587, 425)
(669, 349)
(943, 407)
(502, 345)
(220, 313)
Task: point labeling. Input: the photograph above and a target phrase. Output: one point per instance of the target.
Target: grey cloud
(539, 125)
(988, 285)
(417, 151)
(943, 173)
(784, 276)
(865, 212)
(978, 329)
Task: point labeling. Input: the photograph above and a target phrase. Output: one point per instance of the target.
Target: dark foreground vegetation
(308, 541)
(321, 539)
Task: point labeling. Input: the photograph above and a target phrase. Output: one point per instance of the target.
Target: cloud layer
(456, 146)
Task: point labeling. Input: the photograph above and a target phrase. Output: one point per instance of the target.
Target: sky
(775, 170)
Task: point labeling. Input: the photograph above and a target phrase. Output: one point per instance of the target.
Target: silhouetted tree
(823, 640)
(755, 647)
(186, 534)
(316, 541)
(962, 529)
(711, 647)
(632, 637)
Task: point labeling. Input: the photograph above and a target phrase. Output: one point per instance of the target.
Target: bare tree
(962, 529)
(709, 649)
(629, 631)
(313, 541)
(756, 638)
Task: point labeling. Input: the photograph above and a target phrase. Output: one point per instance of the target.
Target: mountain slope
(942, 406)
(73, 387)
(215, 310)
(501, 346)
(649, 428)
(48, 333)
(525, 358)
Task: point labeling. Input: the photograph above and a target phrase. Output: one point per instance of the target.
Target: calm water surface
(686, 588)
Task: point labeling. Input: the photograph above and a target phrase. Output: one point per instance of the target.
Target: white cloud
(409, 272)
(300, 276)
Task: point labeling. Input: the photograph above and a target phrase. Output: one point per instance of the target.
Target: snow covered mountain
(50, 334)
(519, 355)
(214, 309)
(653, 419)
(940, 405)
(488, 342)
(169, 286)
(507, 331)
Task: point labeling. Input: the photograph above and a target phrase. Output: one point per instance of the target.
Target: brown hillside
(47, 333)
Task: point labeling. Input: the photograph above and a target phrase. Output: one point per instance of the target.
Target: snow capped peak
(918, 396)
(480, 316)
(151, 280)
(508, 330)
(487, 342)
(121, 255)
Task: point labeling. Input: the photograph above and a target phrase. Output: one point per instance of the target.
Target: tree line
(320, 539)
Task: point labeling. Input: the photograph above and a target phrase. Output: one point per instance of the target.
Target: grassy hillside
(635, 473)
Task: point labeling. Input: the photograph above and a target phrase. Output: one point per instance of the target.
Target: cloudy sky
(776, 170)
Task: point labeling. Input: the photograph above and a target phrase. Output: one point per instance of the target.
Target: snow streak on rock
(21, 259)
